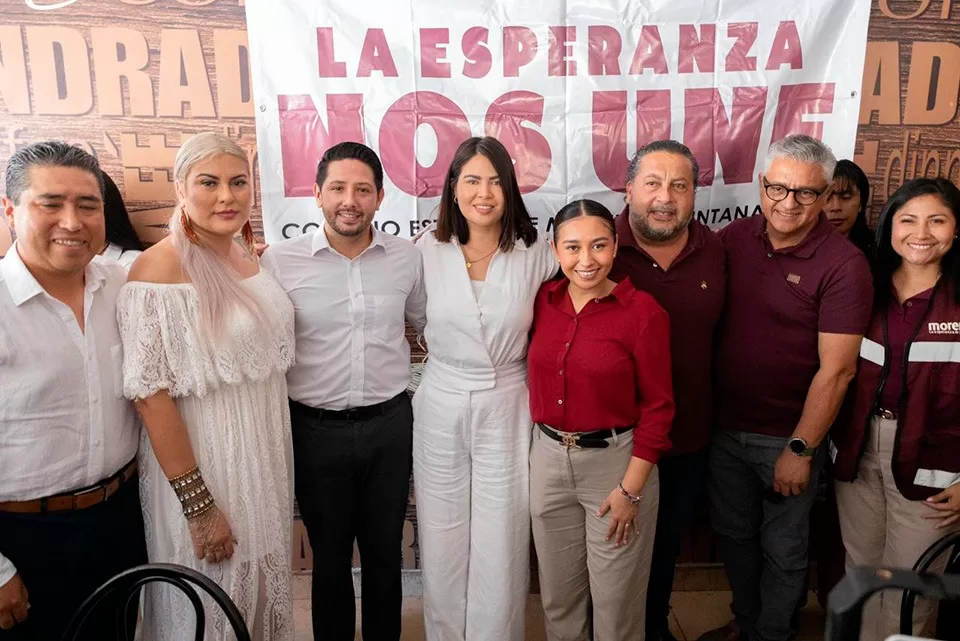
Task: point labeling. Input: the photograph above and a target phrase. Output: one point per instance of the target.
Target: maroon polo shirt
(692, 292)
(605, 367)
(778, 301)
(902, 322)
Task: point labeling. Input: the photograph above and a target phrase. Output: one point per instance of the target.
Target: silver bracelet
(633, 498)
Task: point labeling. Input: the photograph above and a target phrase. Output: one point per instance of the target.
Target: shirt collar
(807, 247)
(112, 252)
(557, 291)
(320, 240)
(23, 286)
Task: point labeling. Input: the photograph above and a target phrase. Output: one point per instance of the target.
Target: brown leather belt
(79, 500)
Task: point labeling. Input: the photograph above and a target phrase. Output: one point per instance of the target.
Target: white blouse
(474, 335)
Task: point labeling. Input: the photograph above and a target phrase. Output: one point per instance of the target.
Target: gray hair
(52, 153)
(803, 148)
(669, 146)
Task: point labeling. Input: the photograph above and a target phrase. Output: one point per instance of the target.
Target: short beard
(656, 235)
(348, 233)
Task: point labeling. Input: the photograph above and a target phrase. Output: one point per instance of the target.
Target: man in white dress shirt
(69, 507)
(351, 287)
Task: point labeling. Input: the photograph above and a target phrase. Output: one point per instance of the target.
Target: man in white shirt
(351, 287)
(69, 507)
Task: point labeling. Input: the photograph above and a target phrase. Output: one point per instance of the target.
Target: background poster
(127, 79)
(572, 89)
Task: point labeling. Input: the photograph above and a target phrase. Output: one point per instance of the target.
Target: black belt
(364, 413)
(887, 414)
(582, 439)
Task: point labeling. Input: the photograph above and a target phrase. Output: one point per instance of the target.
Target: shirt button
(596, 300)
(560, 401)
(566, 345)
(909, 304)
(769, 254)
(561, 372)
(656, 265)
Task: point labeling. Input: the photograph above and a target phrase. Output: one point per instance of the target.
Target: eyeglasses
(803, 196)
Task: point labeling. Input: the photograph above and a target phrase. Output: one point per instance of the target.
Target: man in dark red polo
(678, 260)
(798, 302)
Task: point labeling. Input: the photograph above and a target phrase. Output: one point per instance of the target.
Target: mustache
(663, 209)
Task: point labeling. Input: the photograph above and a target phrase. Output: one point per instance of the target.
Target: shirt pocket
(116, 366)
(384, 317)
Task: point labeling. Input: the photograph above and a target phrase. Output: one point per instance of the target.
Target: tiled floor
(693, 614)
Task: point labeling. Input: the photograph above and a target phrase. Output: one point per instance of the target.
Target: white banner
(572, 90)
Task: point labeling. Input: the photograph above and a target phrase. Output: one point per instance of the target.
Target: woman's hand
(947, 505)
(622, 515)
(212, 537)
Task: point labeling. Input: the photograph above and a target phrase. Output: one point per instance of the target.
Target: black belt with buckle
(582, 439)
(364, 413)
(887, 414)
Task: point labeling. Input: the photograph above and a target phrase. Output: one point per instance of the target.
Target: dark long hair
(120, 231)
(515, 224)
(580, 208)
(848, 173)
(887, 261)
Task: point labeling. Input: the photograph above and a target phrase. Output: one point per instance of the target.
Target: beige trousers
(881, 528)
(567, 487)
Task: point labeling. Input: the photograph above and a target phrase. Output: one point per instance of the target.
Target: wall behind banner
(128, 79)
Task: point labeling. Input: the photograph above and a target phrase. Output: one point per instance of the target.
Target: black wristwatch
(799, 447)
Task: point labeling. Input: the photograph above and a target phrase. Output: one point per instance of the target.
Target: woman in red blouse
(602, 400)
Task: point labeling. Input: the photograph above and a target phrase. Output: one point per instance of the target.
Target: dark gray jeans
(762, 535)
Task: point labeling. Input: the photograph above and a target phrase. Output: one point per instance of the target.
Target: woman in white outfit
(207, 340)
(482, 265)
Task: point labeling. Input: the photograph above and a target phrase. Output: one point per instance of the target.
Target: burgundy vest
(926, 455)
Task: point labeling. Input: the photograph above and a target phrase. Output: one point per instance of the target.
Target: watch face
(797, 446)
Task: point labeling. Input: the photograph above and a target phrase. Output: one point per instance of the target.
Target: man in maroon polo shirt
(681, 262)
(798, 302)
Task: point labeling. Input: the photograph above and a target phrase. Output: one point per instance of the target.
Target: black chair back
(125, 588)
(845, 604)
(922, 566)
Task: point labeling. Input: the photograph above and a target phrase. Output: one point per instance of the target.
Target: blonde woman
(207, 340)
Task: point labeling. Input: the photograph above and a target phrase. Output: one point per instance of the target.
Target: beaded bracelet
(633, 498)
(192, 492)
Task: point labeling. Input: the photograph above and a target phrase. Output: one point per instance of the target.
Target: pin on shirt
(793, 278)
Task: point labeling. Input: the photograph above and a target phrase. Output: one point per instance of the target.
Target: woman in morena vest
(896, 446)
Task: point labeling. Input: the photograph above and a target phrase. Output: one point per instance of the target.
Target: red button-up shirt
(604, 368)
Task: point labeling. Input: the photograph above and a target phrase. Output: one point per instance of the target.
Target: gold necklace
(471, 262)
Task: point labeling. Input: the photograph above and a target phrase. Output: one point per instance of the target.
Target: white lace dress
(233, 399)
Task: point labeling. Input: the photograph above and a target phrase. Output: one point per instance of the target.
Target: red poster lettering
(739, 58)
(604, 46)
(376, 56)
(529, 149)
(519, 49)
(786, 49)
(432, 42)
(329, 67)
(701, 47)
(479, 61)
(304, 138)
(610, 158)
(709, 132)
(398, 132)
(561, 50)
(797, 101)
(649, 53)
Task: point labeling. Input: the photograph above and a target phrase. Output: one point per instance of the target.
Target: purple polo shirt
(692, 292)
(778, 301)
